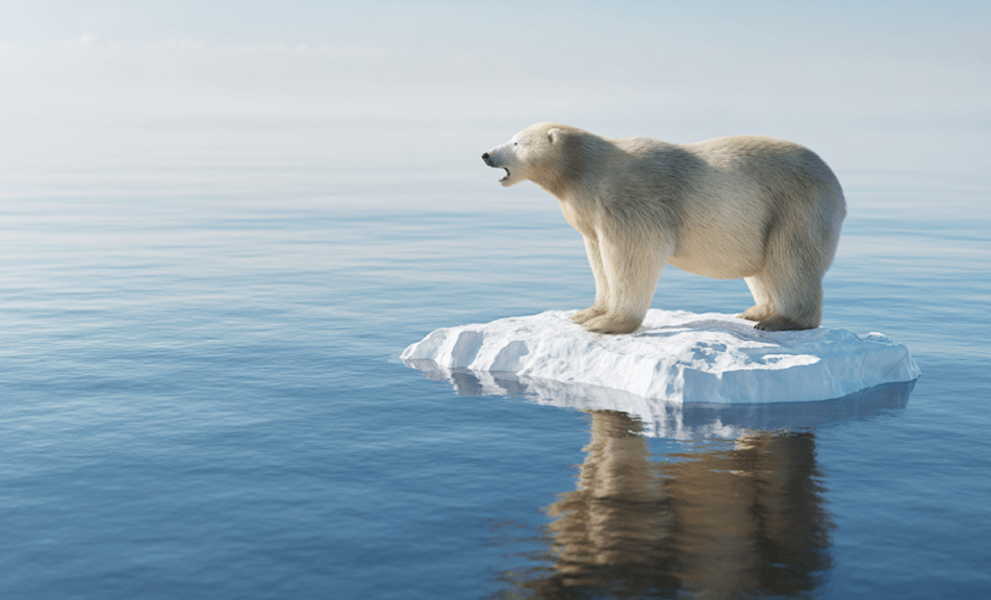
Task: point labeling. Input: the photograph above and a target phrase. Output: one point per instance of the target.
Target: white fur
(751, 207)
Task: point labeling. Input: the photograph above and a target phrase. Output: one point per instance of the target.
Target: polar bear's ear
(554, 135)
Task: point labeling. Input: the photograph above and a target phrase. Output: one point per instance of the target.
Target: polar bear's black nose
(485, 156)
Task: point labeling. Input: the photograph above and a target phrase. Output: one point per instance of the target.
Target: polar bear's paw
(779, 323)
(612, 324)
(756, 313)
(589, 313)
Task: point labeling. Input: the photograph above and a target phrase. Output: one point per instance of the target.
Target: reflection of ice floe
(674, 419)
(674, 357)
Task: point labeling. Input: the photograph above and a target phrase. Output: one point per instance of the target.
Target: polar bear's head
(533, 153)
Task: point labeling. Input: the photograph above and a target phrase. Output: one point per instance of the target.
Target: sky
(868, 77)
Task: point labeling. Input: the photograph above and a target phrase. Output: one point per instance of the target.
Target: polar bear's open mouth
(507, 174)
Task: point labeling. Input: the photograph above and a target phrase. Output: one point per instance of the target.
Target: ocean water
(201, 395)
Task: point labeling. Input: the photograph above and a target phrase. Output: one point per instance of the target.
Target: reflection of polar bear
(754, 207)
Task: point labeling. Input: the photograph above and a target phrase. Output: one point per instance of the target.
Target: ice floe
(675, 357)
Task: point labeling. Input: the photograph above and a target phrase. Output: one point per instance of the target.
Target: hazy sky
(693, 69)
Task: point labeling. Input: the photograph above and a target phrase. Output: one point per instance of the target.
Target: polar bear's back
(770, 161)
(765, 161)
(743, 185)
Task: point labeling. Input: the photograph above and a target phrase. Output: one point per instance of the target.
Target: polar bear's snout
(493, 163)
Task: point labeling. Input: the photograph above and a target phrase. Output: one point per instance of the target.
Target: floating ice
(675, 357)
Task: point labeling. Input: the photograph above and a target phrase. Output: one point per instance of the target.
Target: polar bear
(758, 208)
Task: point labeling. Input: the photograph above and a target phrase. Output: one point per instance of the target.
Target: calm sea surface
(201, 396)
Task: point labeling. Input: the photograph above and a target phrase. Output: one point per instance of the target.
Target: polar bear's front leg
(631, 266)
(601, 283)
